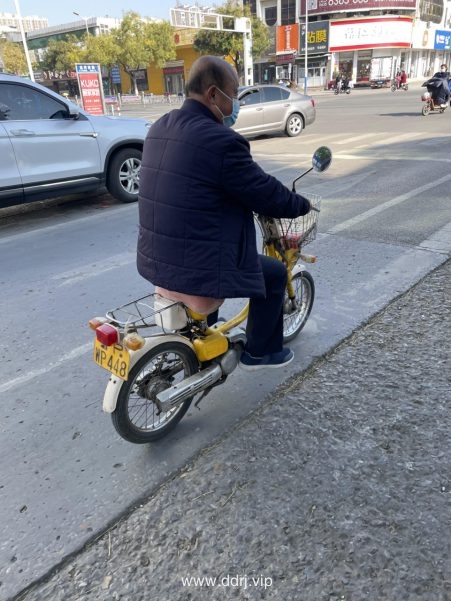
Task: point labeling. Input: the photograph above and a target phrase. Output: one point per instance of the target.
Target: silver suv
(51, 147)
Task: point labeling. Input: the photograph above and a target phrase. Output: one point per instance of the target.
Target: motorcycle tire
(295, 320)
(393, 88)
(426, 109)
(348, 91)
(137, 418)
(406, 87)
(336, 91)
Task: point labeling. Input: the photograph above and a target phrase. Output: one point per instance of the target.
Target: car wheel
(123, 175)
(294, 125)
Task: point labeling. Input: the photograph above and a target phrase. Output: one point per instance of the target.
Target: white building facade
(11, 22)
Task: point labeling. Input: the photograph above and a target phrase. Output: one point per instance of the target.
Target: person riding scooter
(437, 86)
(345, 83)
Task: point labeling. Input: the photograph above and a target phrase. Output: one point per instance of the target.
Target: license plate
(115, 358)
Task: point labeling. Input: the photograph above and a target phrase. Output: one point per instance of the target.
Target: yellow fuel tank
(210, 347)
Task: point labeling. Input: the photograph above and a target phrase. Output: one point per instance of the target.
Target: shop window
(271, 15)
(431, 10)
(288, 12)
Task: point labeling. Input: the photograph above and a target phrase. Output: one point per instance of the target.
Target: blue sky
(61, 12)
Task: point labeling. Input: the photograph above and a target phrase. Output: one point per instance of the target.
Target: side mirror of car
(73, 111)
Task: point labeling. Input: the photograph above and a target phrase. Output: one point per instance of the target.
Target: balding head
(209, 71)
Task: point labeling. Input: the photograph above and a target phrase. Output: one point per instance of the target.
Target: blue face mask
(229, 120)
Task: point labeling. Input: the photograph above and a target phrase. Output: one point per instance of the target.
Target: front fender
(298, 268)
(114, 383)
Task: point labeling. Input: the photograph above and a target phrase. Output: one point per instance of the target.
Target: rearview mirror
(322, 158)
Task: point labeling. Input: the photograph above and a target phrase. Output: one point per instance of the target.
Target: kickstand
(202, 396)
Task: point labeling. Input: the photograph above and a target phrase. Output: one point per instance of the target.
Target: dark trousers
(264, 328)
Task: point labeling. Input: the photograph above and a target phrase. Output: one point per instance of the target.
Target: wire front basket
(297, 232)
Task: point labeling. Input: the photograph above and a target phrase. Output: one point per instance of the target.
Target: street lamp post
(85, 19)
(24, 40)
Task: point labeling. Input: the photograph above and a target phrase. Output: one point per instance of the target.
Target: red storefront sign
(91, 90)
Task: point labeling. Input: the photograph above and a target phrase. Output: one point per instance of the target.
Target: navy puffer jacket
(198, 189)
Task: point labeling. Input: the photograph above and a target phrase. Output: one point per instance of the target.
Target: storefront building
(359, 38)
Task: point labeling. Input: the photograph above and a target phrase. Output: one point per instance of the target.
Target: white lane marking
(94, 269)
(360, 137)
(73, 221)
(387, 205)
(31, 375)
(398, 138)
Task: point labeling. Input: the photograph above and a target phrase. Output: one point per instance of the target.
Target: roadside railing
(113, 103)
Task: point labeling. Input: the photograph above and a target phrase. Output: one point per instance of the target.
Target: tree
(230, 44)
(139, 42)
(101, 49)
(61, 55)
(14, 59)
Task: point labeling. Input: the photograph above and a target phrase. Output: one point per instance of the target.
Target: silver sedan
(273, 108)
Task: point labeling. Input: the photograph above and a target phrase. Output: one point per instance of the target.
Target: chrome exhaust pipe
(166, 399)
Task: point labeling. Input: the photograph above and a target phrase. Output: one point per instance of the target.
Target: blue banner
(115, 75)
(87, 68)
(442, 40)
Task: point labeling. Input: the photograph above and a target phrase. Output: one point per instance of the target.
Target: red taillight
(107, 334)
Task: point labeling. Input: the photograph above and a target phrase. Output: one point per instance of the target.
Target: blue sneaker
(270, 361)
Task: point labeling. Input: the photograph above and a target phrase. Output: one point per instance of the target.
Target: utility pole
(24, 40)
(85, 19)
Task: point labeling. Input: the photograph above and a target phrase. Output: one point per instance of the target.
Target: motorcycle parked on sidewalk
(161, 354)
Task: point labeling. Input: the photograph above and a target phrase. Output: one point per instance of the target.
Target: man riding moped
(199, 189)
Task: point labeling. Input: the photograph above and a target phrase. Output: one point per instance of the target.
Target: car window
(272, 94)
(285, 93)
(18, 102)
(253, 96)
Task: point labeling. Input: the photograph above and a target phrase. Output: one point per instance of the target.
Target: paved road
(65, 474)
(337, 488)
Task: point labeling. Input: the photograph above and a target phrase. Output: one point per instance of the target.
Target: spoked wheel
(426, 109)
(137, 417)
(295, 318)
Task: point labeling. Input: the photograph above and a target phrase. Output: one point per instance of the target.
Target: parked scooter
(161, 355)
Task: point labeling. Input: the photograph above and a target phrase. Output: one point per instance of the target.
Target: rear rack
(139, 313)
